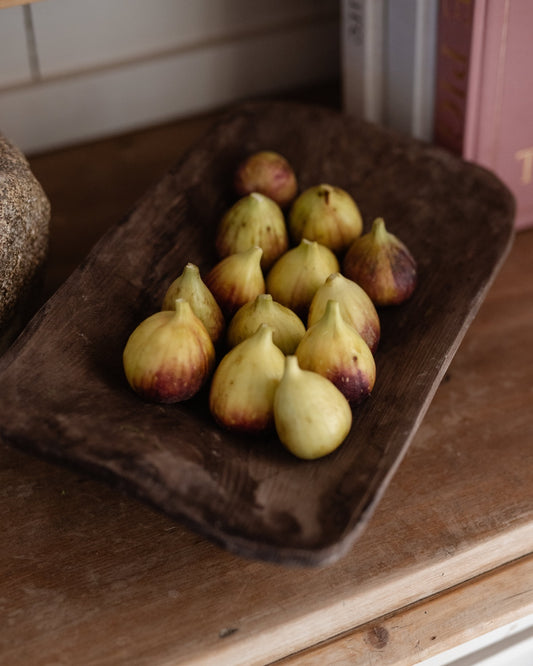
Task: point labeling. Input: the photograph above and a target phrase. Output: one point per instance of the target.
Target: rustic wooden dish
(64, 394)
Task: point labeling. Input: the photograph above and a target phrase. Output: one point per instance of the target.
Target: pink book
(455, 24)
(493, 121)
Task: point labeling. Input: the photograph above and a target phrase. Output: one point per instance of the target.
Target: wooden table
(90, 576)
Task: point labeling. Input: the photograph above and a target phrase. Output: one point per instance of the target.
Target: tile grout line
(185, 48)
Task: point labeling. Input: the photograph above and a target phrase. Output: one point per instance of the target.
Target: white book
(425, 69)
(411, 43)
(388, 62)
(362, 46)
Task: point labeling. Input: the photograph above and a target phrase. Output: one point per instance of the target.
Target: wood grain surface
(249, 494)
(89, 575)
(80, 560)
(461, 614)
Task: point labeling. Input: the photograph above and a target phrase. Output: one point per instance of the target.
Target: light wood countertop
(90, 576)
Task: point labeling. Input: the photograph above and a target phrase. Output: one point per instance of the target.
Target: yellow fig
(288, 328)
(382, 264)
(326, 214)
(297, 274)
(169, 356)
(312, 417)
(241, 397)
(190, 286)
(236, 279)
(355, 304)
(255, 219)
(337, 351)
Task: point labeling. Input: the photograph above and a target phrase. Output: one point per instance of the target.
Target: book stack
(454, 72)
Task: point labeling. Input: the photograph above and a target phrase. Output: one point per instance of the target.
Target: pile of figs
(283, 330)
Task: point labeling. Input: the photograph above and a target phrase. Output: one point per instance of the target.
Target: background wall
(74, 70)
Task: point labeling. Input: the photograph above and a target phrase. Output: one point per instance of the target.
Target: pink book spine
(454, 39)
(477, 65)
(498, 123)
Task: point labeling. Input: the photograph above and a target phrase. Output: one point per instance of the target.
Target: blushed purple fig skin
(382, 265)
(168, 387)
(169, 356)
(269, 173)
(355, 387)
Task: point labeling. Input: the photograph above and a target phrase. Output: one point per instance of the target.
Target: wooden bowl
(64, 394)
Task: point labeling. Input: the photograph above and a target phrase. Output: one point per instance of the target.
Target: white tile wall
(107, 66)
(14, 62)
(100, 32)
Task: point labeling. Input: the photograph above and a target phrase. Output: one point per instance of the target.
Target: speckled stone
(24, 230)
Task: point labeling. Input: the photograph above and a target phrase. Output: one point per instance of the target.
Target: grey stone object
(24, 232)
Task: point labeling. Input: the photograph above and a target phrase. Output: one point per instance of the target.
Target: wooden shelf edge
(353, 625)
(434, 625)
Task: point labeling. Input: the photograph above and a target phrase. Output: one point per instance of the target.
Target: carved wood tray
(64, 395)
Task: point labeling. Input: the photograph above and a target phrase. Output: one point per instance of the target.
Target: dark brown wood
(63, 390)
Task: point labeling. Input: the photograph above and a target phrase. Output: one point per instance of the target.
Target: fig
(241, 397)
(382, 265)
(335, 350)
(169, 356)
(236, 279)
(253, 220)
(297, 274)
(355, 304)
(269, 173)
(288, 329)
(312, 417)
(326, 214)
(190, 286)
